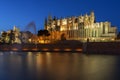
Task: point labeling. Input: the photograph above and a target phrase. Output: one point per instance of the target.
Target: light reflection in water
(62, 66)
(1, 53)
(39, 62)
(48, 59)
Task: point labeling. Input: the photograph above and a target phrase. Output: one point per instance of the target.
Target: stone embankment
(69, 46)
(103, 48)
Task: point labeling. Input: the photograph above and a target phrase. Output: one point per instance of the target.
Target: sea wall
(103, 48)
(67, 46)
(71, 46)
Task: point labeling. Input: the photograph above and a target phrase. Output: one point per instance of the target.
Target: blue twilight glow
(21, 12)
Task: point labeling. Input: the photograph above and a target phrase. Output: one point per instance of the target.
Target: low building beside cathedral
(82, 28)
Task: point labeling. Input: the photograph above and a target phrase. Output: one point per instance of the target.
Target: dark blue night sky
(22, 12)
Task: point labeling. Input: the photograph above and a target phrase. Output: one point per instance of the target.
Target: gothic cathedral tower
(92, 17)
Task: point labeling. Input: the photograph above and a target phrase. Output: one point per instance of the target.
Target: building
(83, 28)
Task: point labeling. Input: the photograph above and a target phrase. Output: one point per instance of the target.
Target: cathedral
(82, 28)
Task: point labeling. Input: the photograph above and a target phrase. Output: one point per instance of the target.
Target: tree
(44, 34)
(11, 36)
(4, 35)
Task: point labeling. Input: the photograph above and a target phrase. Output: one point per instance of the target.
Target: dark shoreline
(41, 47)
(85, 48)
(103, 48)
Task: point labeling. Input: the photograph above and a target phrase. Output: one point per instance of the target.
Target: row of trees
(43, 34)
(9, 37)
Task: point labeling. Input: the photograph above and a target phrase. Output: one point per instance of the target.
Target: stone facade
(81, 28)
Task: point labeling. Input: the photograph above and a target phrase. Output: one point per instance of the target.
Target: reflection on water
(58, 66)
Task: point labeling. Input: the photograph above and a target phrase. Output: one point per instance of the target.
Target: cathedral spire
(49, 19)
(92, 13)
(45, 23)
(92, 17)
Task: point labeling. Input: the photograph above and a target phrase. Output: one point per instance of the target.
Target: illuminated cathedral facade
(82, 28)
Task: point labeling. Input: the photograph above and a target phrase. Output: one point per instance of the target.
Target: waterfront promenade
(66, 46)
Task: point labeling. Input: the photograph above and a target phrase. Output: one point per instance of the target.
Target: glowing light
(93, 38)
(58, 23)
(48, 53)
(30, 40)
(56, 49)
(79, 49)
(29, 53)
(103, 39)
(64, 22)
(85, 39)
(24, 49)
(15, 49)
(41, 41)
(61, 29)
(92, 26)
(45, 49)
(112, 39)
(67, 49)
(35, 49)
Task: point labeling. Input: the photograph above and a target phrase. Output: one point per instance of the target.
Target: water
(58, 66)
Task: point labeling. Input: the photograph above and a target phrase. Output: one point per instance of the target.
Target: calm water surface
(58, 66)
